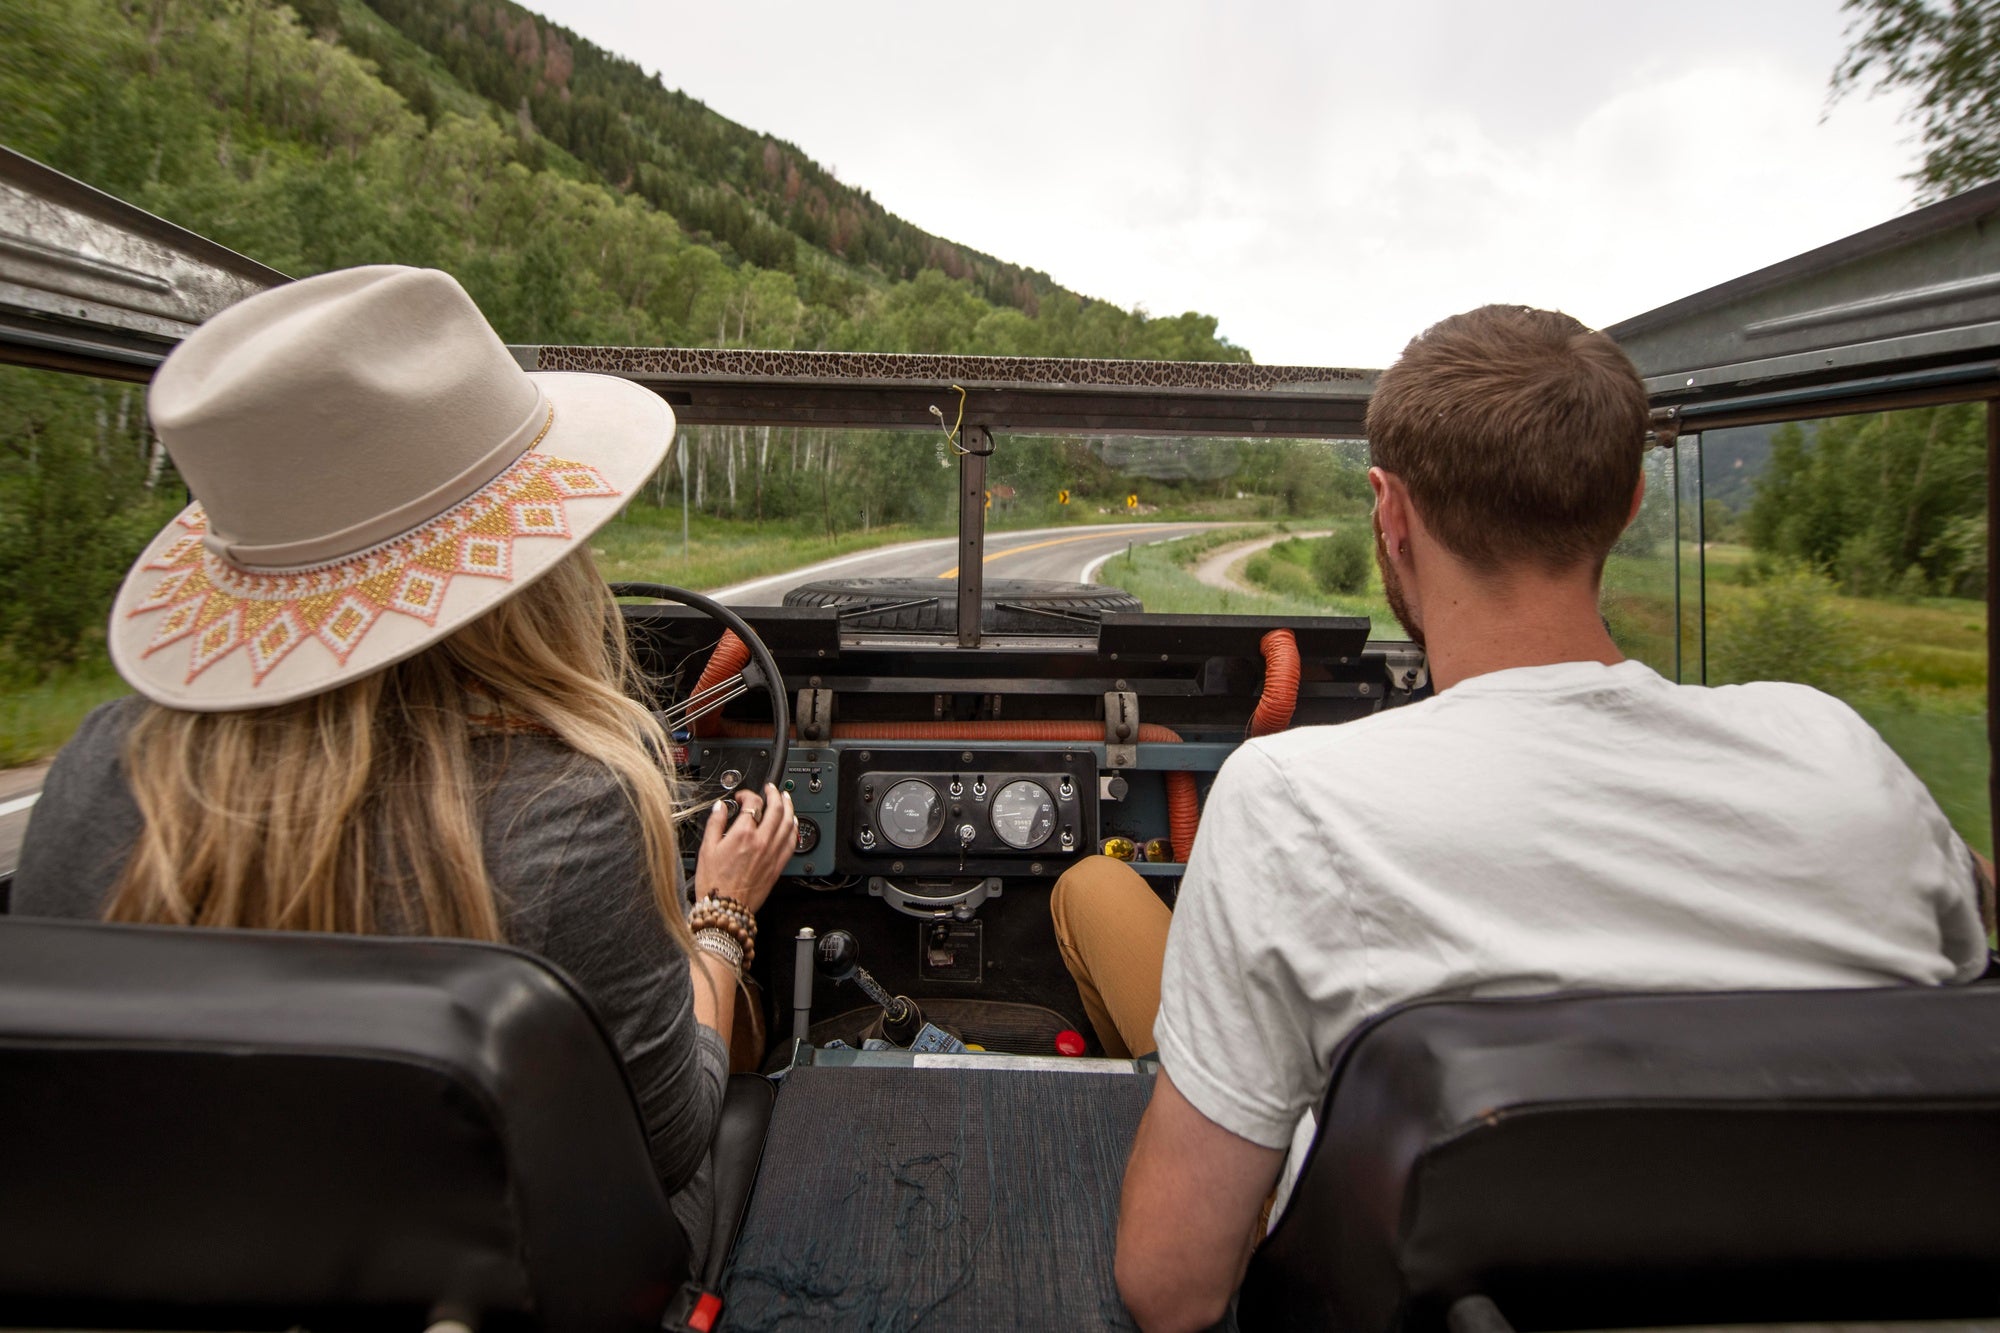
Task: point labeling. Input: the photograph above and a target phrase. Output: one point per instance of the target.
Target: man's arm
(1188, 1220)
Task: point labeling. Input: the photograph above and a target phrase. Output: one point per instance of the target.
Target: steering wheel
(761, 673)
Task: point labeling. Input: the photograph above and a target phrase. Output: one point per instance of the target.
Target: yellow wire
(951, 436)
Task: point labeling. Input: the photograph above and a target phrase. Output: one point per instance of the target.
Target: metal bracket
(1121, 728)
(1408, 669)
(975, 446)
(1666, 428)
(814, 713)
(960, 903)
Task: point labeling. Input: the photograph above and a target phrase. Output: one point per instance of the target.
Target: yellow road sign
(989, 499)
(1062, 497)
(1131, 502)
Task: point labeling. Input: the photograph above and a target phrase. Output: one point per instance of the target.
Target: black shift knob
(838, 955)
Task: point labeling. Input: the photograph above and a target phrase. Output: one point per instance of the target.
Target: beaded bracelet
(727, 913)
(730, 917)
(722, 944)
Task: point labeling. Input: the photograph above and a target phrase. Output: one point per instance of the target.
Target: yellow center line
(952, 573)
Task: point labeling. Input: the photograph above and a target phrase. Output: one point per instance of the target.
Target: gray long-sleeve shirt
(563, 852)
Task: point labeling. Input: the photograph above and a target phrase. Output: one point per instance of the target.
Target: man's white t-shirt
(1566, 827)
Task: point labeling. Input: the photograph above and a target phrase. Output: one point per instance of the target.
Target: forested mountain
(336, 139)
(757, 196)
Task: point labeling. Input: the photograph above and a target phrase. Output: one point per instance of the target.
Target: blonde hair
(357, 810)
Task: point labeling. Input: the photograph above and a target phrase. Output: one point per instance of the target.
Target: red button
(702, 1318)
(1069, 1042)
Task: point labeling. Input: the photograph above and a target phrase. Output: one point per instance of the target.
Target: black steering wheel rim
(760, 656)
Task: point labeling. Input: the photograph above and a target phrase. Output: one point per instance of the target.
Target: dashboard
(932, 777)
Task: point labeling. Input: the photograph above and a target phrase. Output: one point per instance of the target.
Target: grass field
(35, 720)
(1915, 669)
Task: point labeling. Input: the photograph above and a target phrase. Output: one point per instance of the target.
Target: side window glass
(1642, 589)
(1849, 553)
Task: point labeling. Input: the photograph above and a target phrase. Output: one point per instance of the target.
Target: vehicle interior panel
(1019, 961)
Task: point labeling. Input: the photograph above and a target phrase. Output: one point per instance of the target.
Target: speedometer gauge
(911, 815)
(1023, 815)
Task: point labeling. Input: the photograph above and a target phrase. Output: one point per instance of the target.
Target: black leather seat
(1598, 1161)
(246, 1129)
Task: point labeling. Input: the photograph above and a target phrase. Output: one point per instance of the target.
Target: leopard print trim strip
(736, 364)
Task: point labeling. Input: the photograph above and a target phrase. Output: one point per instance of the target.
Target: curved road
(1068, 554)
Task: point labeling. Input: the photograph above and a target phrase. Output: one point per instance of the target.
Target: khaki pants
(1112, 930)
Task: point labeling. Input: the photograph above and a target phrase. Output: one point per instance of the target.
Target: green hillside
(759, 197)
(334, 139)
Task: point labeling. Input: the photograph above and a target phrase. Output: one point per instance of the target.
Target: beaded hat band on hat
(372, 471)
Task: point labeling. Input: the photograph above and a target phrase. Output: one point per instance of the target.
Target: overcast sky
(1327, 178)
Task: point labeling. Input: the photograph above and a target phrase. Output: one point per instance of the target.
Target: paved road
(18, 789)
(1071, 555)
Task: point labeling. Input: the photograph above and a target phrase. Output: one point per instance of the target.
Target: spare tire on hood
(930, 606)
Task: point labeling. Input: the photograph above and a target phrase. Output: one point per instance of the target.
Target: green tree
(1946, 53)
(80, 492)
(1880, 503)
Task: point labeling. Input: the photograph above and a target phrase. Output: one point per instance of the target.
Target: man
(1557, 818)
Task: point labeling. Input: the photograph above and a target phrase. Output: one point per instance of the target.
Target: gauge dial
(911, 814)
(1023, 815)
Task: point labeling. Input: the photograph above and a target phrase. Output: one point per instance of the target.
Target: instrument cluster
(942, 809)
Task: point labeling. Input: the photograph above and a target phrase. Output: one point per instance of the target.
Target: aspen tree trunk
(763, 458)
(826, 500)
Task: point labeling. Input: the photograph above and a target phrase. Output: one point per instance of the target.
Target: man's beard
(1392, 586)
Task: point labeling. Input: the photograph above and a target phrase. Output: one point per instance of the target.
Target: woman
(385, 691)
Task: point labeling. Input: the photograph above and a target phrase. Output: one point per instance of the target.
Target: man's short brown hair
(1518, 432)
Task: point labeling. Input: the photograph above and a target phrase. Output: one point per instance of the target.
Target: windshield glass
(1192, 525)
(1188, 525)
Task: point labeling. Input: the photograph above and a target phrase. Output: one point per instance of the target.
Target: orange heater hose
(1281, 683)
(731, 655)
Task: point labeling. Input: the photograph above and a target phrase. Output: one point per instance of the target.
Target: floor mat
(892, 1199)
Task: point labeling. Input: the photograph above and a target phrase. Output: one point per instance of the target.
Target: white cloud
(1324, 178)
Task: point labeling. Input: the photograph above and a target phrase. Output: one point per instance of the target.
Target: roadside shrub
(1294, 551)
(1786, 628)
(1279, 575)
(1340, 562)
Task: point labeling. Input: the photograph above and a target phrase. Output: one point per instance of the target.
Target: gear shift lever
(840, 960)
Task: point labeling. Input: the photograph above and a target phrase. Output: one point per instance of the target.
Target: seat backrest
(259, 1129)
(1596, 1161)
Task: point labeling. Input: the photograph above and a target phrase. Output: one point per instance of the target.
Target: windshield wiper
(1083, 617)
(855, 612)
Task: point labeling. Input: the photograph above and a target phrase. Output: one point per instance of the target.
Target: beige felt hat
(372, 471)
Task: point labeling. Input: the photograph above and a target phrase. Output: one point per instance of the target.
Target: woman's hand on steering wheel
(742, 854)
